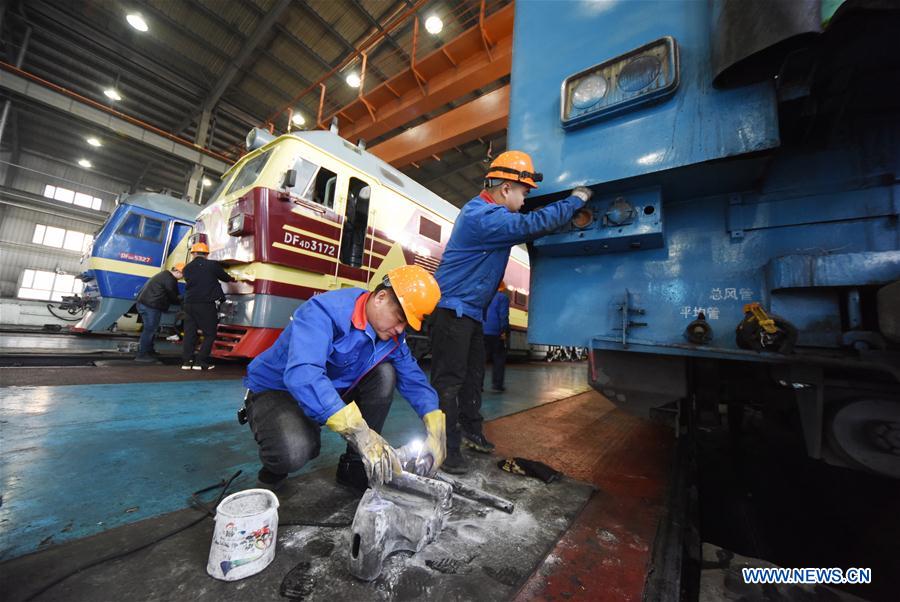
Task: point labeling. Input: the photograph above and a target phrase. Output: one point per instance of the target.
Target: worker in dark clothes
(337, 364)
(470, 270)
(155, 297)
(201, 292)
(496, 337)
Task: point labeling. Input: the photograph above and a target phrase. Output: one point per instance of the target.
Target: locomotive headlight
(644, 75)
(589, 91)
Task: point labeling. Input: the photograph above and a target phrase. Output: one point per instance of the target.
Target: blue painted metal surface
(554, 40)
(143, 231)
(744, 216)
(620, 223)
(80, 459)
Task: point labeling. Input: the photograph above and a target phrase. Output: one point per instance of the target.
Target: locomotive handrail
(308, 205)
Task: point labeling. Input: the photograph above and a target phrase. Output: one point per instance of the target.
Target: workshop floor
(603, 554)
(79, 459)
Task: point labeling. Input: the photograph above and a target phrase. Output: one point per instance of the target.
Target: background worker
(470, 271)
(337, 364)
(496, 336)
(153, 299)
(201, 292)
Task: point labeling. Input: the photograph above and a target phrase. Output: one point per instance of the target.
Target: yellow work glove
(436, 442)
(379, 458)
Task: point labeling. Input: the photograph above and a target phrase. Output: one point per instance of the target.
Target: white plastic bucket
(243, 540)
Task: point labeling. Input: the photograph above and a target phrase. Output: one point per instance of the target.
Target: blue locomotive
(145, 233)
(742, 244)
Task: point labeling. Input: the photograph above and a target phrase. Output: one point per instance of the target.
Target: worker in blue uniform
(336, 364)
(470, 270)
(496, 336)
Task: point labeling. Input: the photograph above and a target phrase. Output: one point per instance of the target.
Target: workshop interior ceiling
(189, 58)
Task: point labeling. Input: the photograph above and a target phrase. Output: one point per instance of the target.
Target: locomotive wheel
(867, 433)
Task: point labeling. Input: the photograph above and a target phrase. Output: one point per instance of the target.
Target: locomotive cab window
(356, 222)
(322, 190)
(250, 171)
(304, 179)
(143, 227)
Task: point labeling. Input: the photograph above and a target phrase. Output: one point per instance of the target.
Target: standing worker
(336, 364)
(201, 292)
(496, 336)
(486, 229)
(154, 298)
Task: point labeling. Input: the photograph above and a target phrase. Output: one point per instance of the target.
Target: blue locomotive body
(145, 233)
(742, 244)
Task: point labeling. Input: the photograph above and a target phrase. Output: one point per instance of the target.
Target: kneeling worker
(337, 363)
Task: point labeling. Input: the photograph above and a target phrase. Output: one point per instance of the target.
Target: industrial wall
(23, 206)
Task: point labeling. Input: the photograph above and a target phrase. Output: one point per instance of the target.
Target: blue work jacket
(478, 250)
(496, 320)
(323, 352)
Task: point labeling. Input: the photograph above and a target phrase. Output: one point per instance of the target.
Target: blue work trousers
(150, 317)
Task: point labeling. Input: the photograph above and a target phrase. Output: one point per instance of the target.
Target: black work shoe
(477, 442)
(187, 365)
(352, 473)
(202, 367)
(455, 463)
(266, 479)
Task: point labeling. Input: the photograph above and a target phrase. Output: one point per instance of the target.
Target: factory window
(429, 229)
(70, 240)
(65, 195)
(48, 286)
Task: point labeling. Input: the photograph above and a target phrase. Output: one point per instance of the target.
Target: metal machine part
(614, 223)
(407, 514)
(488, 499)
(760, 331)
(867, 432)
(699, 331)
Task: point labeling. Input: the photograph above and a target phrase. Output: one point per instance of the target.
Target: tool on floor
(472, 493)
(407, 513)
(530, 468)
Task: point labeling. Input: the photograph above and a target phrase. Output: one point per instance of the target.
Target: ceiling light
(434, 25)
(137, 21)
(113, 94)
(207, 182)
(94, 141)
(85, 163)
(298, 119)
(353, 80)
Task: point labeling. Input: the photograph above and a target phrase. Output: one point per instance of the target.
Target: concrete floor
(481, 553)
(80, 459)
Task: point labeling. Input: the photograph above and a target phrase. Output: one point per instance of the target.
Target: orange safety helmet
(516, 166)
(178, 266)
(417, 291)
(200, 247)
